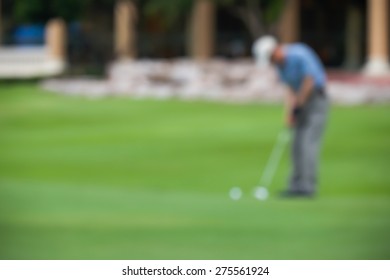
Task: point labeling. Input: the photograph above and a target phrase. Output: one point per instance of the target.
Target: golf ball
(235, 193)
(261, 193)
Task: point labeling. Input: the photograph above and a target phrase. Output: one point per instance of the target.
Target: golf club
(261, 191)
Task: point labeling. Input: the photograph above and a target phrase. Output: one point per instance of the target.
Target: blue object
(32, 34)
(300, 62)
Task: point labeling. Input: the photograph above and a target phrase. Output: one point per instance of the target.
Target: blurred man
(306, 106)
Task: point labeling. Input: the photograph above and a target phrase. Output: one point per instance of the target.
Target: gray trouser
(307, 135)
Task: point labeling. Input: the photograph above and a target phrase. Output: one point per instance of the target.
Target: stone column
(354, 36)
(56, 39)
(290, 22)
(378, 56)
(125, 33)
(202, 39)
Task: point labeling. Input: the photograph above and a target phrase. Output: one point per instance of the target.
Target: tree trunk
(202, 30)
(250, 14)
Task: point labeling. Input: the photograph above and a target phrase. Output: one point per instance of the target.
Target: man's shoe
(296, 193)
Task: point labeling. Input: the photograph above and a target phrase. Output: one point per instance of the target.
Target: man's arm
(305, 91)
(290, 102)
(293, 103)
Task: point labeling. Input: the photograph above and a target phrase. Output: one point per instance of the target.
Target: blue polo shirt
(300, 62)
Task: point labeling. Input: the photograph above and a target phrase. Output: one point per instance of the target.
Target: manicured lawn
(142, 179)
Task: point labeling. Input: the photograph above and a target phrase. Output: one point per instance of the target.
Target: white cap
(262, 50)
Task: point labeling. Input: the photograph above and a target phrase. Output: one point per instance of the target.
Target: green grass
(143, 179)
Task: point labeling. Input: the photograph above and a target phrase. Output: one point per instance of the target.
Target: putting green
(142, 179)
